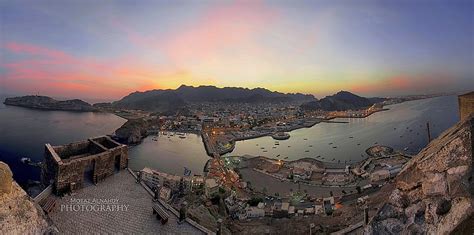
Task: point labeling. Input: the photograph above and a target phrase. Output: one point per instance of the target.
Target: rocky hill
(434, 192)
(47, 103)
(341, 101)
(168, 100)
(19, 214)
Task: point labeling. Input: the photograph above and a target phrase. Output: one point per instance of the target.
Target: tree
(254, 201)
(359, 190)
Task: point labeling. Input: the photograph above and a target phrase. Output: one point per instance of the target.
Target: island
(48, 103)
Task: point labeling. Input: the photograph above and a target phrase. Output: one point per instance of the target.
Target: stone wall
(434, 191)
(466, 104)
(73, 171)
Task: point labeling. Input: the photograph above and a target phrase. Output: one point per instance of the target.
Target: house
(255, 212)
(291, 210)
(380, 175)
(165, 193)
(147, 176)
(302, 173)
(211, 187)
(328, 205)
(309, 211)
(318, 209)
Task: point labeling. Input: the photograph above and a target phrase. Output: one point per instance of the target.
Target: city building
(211, 187)
(255, 212)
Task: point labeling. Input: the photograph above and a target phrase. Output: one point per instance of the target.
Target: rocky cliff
(47, 103)
(134, 130)
(19, 214)
(434, 192)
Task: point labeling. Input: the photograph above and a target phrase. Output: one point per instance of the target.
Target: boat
(305, 139)
(25, 160)
(334, 147)
(405, 149)
(358, 144)
(182, 137)
(350, 137)
(285, 158)
(330, 143)
(274, 147)
(311, 146)
(289, 146)
(265, 151)
(307, 151)
(376, 142)
(278, 155)
(281, 136)
(318, 156)
(262, 147)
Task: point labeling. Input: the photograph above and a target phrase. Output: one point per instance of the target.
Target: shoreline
(289, 129)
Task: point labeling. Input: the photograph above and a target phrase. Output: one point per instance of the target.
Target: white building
(211, 187)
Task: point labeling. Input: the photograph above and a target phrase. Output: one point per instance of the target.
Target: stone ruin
(73, 166)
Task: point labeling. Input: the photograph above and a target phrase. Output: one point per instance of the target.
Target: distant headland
(48, 103)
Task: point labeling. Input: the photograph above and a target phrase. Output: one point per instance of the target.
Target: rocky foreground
(434, 193)
(47, 103)
(18, 213)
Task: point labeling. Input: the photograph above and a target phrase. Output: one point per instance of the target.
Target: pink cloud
(403, 84)
(219, 28)
(57, 72)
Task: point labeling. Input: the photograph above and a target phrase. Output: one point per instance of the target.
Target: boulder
(6, 179)
(434, 189)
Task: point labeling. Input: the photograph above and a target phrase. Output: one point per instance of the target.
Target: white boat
(25, 160)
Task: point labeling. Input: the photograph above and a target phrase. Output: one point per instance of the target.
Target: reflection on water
(401, 127)
(169, 154)
(25, 131)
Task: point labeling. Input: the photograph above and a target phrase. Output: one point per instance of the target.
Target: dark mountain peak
(342, 100)
(345, 94)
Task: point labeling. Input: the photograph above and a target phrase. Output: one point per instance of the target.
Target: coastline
(306, 124)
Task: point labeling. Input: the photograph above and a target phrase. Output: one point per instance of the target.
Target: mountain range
(164, 100)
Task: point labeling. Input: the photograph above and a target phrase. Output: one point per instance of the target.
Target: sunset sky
(107, 49)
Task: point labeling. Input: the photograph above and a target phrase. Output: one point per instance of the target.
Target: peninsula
(48, 103)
